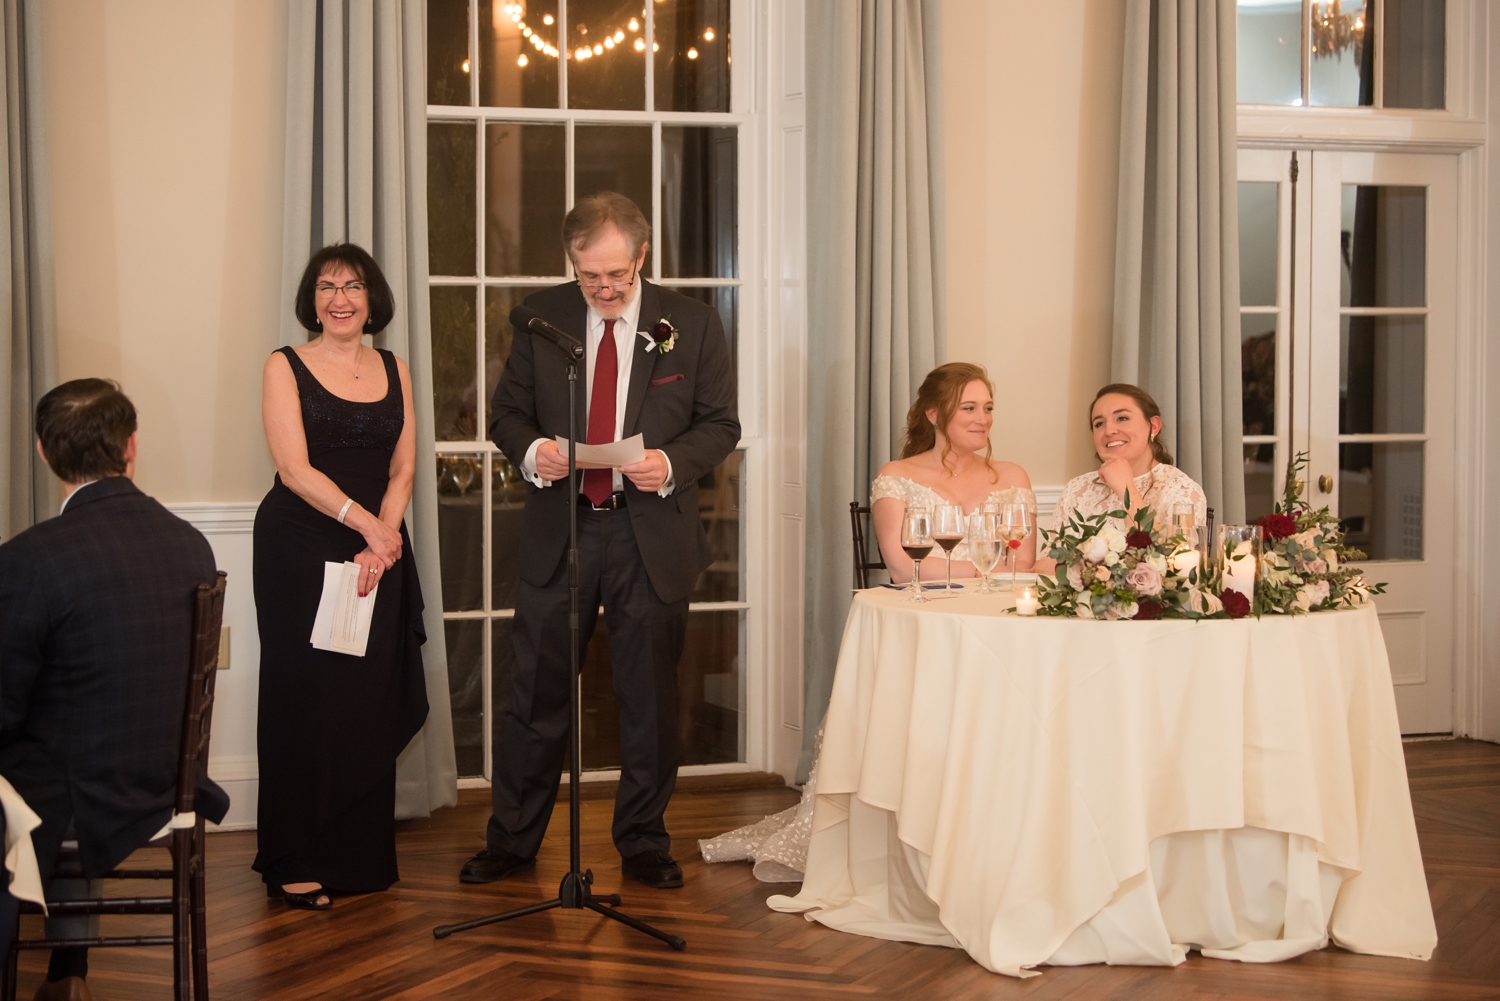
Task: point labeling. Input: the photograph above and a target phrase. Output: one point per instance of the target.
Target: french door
(1348, 348)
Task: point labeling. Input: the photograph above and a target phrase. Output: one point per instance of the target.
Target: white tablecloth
(1055, 790)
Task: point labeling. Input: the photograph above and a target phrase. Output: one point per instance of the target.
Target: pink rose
(1144, 579)
(1312, 566)
(1075, 577)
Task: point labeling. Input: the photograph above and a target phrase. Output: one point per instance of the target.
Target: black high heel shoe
(302, 901)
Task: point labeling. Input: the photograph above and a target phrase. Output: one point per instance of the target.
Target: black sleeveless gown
(331, 725)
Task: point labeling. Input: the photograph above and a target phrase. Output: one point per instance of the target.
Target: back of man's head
(84, 427)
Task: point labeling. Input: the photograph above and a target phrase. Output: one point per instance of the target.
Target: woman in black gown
(338, 418)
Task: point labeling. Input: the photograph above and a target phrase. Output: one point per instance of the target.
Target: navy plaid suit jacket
(96, 611)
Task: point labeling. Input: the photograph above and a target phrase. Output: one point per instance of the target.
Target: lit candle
(1027, 603)
(1239, 570)
(1186, 561)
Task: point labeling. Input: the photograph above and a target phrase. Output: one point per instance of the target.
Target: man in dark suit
(96, 611)
(657, 365)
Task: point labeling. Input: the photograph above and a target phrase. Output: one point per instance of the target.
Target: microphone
(528, 319)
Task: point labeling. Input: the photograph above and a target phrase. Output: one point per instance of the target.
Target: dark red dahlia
(662, 330)
(1236, 604)
(1147, 610)
(1137, 539)
(1278, 526)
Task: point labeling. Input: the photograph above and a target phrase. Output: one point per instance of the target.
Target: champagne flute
(1185, 524)
(916, 541)
(985, 546)
(948, 531)
(1015, 525)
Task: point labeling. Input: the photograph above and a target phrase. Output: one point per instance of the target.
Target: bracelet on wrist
(344, 511)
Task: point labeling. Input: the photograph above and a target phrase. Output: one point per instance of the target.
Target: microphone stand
(575, 892)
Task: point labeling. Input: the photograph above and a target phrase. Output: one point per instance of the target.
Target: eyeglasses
(617, 287)
(351, 289)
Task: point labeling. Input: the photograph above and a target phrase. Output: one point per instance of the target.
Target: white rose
(1205, 601)
(1159, 562)
(1075, 577)
(1305, 540)
(1329, 557)
(1084, 611)
(1111, 558)
(1128, 610)
(1094, 548)
(1113, 537)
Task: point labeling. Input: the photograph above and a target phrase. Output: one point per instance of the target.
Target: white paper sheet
(343, 620)
(616, 453)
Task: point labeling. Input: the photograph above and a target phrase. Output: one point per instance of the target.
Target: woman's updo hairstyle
(942, 391)
(378, 297)
(1149, 409)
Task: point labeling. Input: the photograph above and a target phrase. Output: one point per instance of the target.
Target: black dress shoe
(492, 864)
(654, 868)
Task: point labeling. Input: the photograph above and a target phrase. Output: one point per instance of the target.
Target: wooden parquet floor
(380, 946)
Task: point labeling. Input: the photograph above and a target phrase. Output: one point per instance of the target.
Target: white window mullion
(656, 200)
(563, 56)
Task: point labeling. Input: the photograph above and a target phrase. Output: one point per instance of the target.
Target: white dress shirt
(627, 344)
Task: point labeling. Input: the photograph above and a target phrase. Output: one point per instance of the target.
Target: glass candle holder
(1238, 552)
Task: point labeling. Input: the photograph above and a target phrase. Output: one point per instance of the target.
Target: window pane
(1258, 372)
(699, 202)
(1382, 374)
(498, 302)
(709, 701)
(607, 68)
(720, 493)
(447, 52)
(524, 193)
(1343, 55)
(614, 158)
(517, 54)
(1268, 58)
(450, 198)
(465, 638)
(454, 387)
(1414, 37)
(1384, 248)
(460, 485)
(1260, 481)
(1380, 498)
(1259, 217)
(692, 55)
(726, 299)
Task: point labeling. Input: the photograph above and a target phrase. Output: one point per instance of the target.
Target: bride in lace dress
(946, 459)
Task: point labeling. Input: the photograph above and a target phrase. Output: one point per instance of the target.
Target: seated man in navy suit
(96, 613)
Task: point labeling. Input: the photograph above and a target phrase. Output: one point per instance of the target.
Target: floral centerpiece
(1106, 573)
(1305, 562)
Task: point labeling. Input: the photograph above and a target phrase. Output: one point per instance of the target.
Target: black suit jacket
(682, 402)
(96, 611)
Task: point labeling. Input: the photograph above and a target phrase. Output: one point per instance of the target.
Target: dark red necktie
(598, 484)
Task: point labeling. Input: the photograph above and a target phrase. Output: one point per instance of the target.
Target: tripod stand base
(574, 893)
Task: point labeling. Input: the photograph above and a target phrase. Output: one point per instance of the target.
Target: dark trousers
(646, 637)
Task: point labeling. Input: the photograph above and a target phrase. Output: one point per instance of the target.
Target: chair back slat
(862, 564)
(203, 670)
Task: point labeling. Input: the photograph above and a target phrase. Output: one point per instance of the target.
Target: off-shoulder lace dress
(910, 492)
(1162, 488)
(777, 844)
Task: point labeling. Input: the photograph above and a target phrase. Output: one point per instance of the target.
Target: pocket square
(667, 378)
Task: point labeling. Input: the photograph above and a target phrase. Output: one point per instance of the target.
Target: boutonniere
(662, 337)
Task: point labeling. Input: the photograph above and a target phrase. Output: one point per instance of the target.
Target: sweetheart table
(1059, 791)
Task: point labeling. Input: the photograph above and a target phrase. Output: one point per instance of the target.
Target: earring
(934, 425)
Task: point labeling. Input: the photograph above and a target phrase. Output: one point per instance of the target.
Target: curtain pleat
(874, 306)
(29, 355)
(357, 172)
(1176, 319)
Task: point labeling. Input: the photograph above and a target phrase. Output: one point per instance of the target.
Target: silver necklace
(359, 356)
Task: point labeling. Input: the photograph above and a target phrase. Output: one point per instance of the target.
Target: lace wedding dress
(910, 492)
(1160, 489)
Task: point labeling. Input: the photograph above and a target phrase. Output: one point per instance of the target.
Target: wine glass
(1015, 525)
(1185, 524)
(985, 546)
(916, 541)
(948, 531)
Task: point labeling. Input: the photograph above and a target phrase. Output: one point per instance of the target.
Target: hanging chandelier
(1333, 31)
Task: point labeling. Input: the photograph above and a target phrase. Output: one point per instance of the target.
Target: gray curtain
(875, 280)
(356, 148)
(29, 351)
(1177, 285)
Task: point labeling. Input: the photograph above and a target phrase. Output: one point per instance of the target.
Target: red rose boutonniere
(663, 336)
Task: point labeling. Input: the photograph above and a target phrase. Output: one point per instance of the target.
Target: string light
(692, 53)
(640, 45)
(516, 12)
(466, 66)
(708, 34)
(522, 61)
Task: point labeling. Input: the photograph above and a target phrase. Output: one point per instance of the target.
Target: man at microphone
(655, 364)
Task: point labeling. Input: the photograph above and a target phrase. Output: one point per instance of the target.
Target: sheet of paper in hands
(343, 620)
(616, 453)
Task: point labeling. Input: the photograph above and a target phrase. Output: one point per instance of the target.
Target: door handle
(1325, 483)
